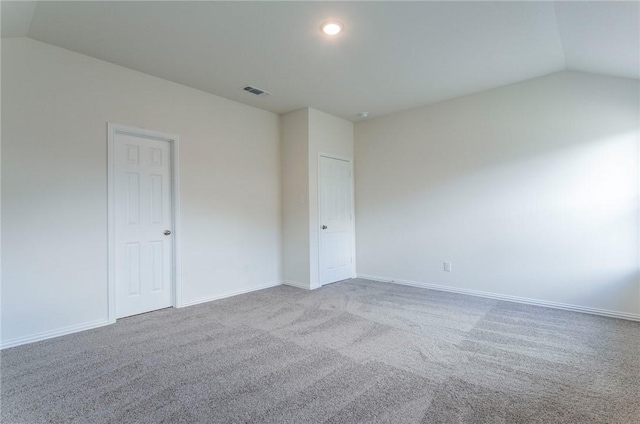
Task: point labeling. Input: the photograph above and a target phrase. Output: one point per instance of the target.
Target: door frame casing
(176, 274)
(353, 212)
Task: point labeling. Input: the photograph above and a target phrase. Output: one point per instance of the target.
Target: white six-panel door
(143, 224)
(335, 220)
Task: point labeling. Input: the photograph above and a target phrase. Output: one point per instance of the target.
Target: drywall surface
(530, 190)
(295, 197)
(331, 136)
(306, 134)
(56, 105)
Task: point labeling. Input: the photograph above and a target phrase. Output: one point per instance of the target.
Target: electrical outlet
(447, 266)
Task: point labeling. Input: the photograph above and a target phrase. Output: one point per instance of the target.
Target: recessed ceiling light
(364, 114)
(331, 28)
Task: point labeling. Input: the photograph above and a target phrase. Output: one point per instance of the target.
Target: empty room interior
(320, 212)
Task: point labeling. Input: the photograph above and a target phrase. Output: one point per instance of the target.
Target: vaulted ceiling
(391, 55)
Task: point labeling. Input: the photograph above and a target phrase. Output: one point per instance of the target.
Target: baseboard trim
(53, 333)
(101, 323)
(508, 298)
(296, 284)
(230, 293)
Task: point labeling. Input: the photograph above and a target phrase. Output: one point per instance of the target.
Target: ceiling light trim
(332, 28)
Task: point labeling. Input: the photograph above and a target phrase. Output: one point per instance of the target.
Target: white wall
(295, 197)
(332, 136)
(306, 133)
(56, 105)
(530, 190)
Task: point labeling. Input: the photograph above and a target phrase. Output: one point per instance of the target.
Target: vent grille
(256, 91)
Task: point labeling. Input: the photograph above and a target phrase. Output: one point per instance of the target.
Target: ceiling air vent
(256, 91)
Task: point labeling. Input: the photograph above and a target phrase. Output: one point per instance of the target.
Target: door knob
(167, 232)
(324, 227)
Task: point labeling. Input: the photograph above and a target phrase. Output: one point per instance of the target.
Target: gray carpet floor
(354, 351)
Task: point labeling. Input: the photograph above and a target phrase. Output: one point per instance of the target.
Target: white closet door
(335, 220)
(143, 221)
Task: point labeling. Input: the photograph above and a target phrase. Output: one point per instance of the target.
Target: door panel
(143, 205)
(335, 220)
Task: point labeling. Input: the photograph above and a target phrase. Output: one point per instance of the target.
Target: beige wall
(306, 134)
(55, 109)
(331, 136)
(295, 197)
(530, 190)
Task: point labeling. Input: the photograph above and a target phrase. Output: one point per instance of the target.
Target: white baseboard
(53, 333)
(296, 284)
(100, 323)
(230, 293)
(509, 298)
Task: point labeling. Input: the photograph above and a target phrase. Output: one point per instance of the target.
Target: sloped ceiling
(16, 18)
(391, 56)
(601, 37)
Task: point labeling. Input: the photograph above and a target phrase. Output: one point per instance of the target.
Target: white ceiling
(601, 37)
(16, 18)
(391, 56)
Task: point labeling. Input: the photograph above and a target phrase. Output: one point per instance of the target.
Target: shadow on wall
(557, 224)
(614, 288)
